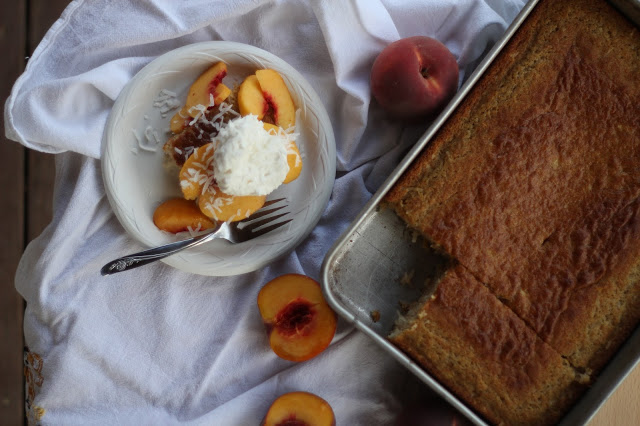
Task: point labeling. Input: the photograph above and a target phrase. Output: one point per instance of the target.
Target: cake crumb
(407, 277)
(375, 316)
(404, 307)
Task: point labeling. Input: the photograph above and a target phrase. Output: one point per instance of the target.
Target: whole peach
(414, 77)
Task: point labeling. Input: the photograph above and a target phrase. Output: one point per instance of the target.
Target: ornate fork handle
(147, 256)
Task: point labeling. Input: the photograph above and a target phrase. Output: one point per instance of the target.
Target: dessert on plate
(229, 149)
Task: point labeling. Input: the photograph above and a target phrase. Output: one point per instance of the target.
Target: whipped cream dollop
(249, 160)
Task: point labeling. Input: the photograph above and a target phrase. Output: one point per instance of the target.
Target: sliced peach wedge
(250, 98)
(299, 409)
(224, 207)
(197, 182)
(277, 95)
(208, 84)
(294, 160)
(180, 215)
(180, 120)
(197, 171)
(299, 322)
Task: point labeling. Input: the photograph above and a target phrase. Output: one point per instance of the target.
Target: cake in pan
(478, 346)
(533, 187)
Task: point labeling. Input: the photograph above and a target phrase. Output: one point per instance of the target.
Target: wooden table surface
(27, 183)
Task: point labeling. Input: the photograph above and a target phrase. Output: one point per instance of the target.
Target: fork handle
(147, 256)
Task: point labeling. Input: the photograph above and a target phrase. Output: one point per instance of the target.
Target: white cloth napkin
(160, 346)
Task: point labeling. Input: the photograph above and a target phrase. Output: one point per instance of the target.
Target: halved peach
(196, 171)
(224, 207)
(179, 215)
(299, 322)
(180, 120)
(294, 160)
(299, 409)
(250, 98)
(207, 84)
(278, 97)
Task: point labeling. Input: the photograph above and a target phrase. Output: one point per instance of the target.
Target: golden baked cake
(533, 184)
(454, 333)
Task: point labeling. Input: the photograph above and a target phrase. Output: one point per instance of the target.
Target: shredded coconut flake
(199, 111)
(152, 137)
(187, 152)
(207, 182)
(166, 101)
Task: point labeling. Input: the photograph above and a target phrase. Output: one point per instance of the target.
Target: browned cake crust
(534, 183)
(482, 351)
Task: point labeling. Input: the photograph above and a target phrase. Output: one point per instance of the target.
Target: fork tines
(263, 212)
(259, 227)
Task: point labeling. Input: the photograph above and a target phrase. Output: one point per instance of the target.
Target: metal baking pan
(363, 273)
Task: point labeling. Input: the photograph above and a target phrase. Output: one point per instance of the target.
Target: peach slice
(180, 120)
(224, 207)
(250, 98)
(179, 215)
(220, 93)
(295, 163)
(278, 97)
(299, 409)
(197, 171)
(294, 159)
(209, 83)
(299, 322)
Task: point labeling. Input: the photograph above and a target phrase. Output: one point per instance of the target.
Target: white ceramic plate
(136, 181)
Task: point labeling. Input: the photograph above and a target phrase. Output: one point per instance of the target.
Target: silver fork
(235, 232)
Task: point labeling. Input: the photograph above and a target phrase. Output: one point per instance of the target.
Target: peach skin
(414, 78)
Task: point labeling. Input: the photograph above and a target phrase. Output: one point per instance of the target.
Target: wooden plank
(12, 45)
(623, 408)
(42, 14)
(17, 40)
(41, 166)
